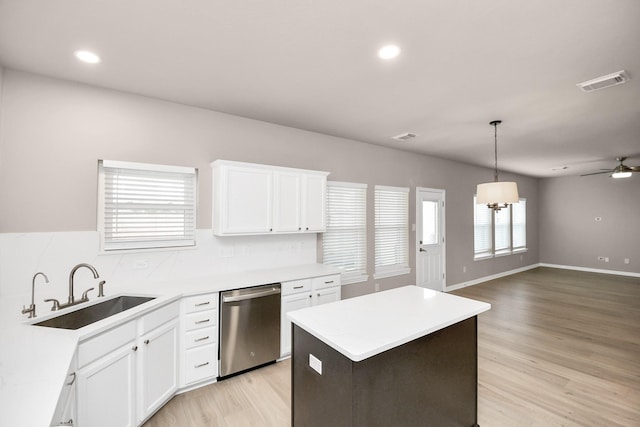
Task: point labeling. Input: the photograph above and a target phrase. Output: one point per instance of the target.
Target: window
(344, 243)
(391, 231)
(499, 233)
(144, 206)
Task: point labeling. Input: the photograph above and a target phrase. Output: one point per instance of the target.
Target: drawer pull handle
(330, 281)
(202, 321)
(73, 380)
(298, 287)
(201, 365)
(201, 339)
(200, 304)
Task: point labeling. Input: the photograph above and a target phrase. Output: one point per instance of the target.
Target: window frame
(491, 251)
(354, 252)
(182, 203)
(383, 270)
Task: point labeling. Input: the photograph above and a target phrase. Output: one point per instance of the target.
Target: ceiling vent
(404, 136)
(604, 81)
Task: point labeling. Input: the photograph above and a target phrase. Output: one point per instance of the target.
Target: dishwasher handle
(251, 295)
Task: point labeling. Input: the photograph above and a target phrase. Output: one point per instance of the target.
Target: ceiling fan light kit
(620, 171)
(497, 195)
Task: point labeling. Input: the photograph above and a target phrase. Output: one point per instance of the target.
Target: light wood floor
(558, 348)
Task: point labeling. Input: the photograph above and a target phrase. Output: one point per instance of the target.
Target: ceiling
(312, 64)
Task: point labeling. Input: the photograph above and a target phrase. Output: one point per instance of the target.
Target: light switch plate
(315, 363)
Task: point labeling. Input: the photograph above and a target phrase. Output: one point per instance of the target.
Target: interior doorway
(430, 238)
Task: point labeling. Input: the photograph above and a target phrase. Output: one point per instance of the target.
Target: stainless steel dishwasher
(249, 328)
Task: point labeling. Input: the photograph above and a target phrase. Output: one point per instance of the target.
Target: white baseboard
(591, 270)
(492, 277)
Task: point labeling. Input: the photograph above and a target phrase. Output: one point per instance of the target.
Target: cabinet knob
(146, 341)
(135, 348)
(299, 228)
(271, 229)
(307, 228)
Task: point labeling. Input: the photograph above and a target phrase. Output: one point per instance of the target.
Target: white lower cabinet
(128, 372)
(298, 294)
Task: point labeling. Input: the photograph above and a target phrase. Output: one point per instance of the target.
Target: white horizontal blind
(391, 230)
(519, 218)
(502, 230)
(482, 230)
(344, 243)
(144, 206)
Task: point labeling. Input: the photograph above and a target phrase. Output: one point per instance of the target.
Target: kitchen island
(407, 356)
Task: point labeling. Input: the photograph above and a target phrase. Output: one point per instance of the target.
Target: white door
(290, 303)
(159, 368)
(430, 240)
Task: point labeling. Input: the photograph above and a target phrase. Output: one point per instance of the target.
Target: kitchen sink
(88, 315)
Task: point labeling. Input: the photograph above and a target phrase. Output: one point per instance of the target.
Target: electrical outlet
(315, 363)
(464, 268)
(627, 260)
(377, 287)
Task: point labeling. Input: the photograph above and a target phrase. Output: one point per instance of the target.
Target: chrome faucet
(84, 298)
(32, 308)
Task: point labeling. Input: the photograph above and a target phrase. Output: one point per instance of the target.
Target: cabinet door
(287, 202)
(324, 296)
(158, 369)
(313, 208)
(106, 390)
(290, 303)
(245, 202)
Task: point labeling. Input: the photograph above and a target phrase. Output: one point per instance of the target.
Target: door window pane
(430, 235)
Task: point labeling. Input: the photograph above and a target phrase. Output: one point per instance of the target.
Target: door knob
(423, 250)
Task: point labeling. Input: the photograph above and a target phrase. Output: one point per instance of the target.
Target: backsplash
(55, 253)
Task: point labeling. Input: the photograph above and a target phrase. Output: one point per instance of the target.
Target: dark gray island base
(430, 381)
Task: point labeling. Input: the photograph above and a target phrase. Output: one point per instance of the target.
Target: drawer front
(96, 347)
(202, 319)
(201, 363)
(326, 281)
(296, 286)
(159, 317)
(200, 337)
(201, 303)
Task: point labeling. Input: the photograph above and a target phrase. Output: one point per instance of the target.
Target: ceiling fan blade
(634, 168)
(597, 173)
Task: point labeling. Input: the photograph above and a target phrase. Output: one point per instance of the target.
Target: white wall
(55, 131)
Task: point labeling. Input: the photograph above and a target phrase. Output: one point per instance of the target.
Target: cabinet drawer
(326, 281)
(201, 363)
(98, 346)
(200, 337)
(201, 303)
(202, 319)
(296, 286)
(158, 317)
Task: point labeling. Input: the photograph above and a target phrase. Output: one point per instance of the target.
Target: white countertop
(368, 325)
(34, 361)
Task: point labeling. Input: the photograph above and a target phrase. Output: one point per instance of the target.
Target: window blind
(482, 230)
(502, 230)
(391, 231)
(143, 206)
(344, 243)
(519, 218)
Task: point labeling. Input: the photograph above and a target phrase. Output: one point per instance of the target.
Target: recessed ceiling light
(389, 51)
(88, 57)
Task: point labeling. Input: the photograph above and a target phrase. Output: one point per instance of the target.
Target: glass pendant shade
(498, 193)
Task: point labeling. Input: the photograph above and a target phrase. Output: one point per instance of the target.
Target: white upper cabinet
(258, 199)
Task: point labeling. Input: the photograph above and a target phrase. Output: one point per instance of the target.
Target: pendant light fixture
(497, 195)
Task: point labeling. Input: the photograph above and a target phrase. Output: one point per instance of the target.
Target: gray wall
(55, 131)
(569, 233)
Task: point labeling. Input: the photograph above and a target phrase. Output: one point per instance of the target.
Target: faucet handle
(85, 296)
(56, 304)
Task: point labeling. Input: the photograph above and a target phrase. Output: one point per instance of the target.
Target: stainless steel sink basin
(86, 316)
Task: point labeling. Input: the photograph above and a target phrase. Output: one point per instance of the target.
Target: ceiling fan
(620, 171)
